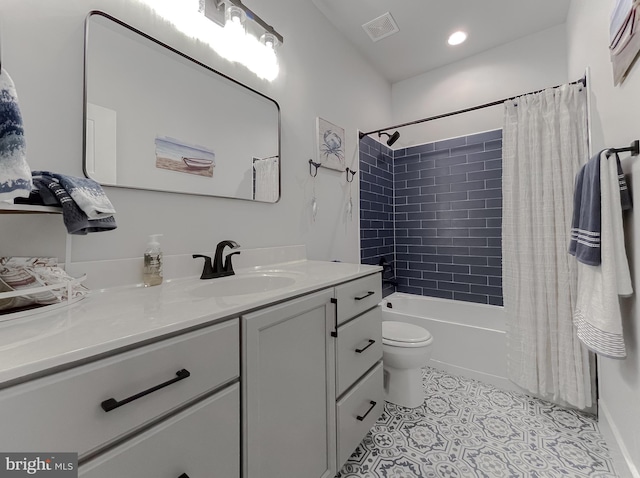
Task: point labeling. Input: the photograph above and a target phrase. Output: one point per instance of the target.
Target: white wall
(615, 123)
(321, 75)
(530, 63)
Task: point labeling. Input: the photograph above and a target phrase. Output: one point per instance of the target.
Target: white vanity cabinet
(149, 392)
(312, 380)
(289, 389)
(359, 383)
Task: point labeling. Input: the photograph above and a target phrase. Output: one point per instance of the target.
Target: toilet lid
(404, 332)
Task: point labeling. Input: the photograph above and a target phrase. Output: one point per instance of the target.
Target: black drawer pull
(184, 475)
(365, 296)
(371, 342)
(112, 403)
(373, 404)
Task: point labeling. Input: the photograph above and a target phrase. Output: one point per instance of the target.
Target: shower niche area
(432, 213)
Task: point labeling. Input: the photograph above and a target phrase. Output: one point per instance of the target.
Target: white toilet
(406, 348)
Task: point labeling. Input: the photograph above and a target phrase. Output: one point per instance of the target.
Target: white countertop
(120, 317)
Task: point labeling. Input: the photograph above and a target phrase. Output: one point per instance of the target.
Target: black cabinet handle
(365, 296)
(373, 404)
(184, 475)
(112, 403)
(371, 342)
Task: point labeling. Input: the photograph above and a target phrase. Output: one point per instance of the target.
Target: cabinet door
(289, 389)
(202, 441)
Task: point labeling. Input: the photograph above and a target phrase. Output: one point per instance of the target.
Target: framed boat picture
(330, 145)
(178, 156)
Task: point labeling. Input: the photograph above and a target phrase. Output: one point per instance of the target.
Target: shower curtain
(545, 144)
(266, 186)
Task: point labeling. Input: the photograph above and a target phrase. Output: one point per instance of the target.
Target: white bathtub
(469, 339)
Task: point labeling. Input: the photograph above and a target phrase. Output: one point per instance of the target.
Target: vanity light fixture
(457, 38)
(236, 40)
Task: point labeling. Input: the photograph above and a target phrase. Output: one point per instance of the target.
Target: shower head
(392, 137)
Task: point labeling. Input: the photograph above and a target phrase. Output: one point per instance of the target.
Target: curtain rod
(582, 80)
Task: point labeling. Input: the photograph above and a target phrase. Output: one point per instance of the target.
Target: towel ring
(352, 172)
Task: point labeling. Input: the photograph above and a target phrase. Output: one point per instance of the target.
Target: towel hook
(352, 172)
(313, 172)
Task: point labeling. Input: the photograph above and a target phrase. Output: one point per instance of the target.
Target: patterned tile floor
(469, 429)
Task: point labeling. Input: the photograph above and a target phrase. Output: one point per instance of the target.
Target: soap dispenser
(152, 274)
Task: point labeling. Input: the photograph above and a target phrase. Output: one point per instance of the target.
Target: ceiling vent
(381, 27)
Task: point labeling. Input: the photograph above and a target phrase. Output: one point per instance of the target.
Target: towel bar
(634, 149)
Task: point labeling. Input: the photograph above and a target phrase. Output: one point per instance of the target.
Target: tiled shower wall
(376, 205)
(447, 198)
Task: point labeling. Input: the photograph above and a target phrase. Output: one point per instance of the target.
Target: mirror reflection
(156, 119)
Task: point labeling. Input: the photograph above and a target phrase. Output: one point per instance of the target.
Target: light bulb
(235, 15)
(269, 40)
(457, 38)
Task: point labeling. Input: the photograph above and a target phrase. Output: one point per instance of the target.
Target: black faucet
(218, 269)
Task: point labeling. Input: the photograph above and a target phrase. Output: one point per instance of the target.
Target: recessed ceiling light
(457, 38)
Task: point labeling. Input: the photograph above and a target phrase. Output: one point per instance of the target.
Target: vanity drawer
(66, 407)
(359, 347)
(202, 441)
(357, 411)
(358, 296)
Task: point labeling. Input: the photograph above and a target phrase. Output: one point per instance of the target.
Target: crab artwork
(332, 146)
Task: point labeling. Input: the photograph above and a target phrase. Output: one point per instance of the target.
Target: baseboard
(501, 382)
(621, 459)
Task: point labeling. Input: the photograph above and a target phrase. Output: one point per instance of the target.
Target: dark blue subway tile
(495, 144)
(408, 192)
(409, 290)
(469, 148)
(451, 178)
(454, 286)
(494, 261)
(421, 165)
(408, 225)
(494, 183)
(408, 273)
(470, 241)
(431, 249)
(405, 176)
(475, 204)
(409, 257)
(451, 143)
(455, 268)
(485, 156)
(436, 206)
(422, 232)
(495, 281)
(469, 223)
(442, 294)
(494, 203)
(493, 165)
(486, 289)
(472, 261)
(468, 186)
(485, 232)
(442, 153)
(440, 188)
(399, 168)
(486, 271)
(433, 172)
(427, 181)
(436, 223)
(496, 301)
(485, 213)
(467, 168)
(470, 279)
(451, 161)
(493, 174)
(455, 196)
(421, 148)
(408, 208)
(437, 258)
(422, 215)
(452, 214)
(479, 299)
(422, 266)
(441, 241)
(455, 233)
(439, 276)
(486, 251)
(484, 137)
(494, 242)
(453, 250)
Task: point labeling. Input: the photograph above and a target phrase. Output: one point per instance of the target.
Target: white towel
(15, 175)
(597, 316)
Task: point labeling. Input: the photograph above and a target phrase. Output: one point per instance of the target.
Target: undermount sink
(242, 285)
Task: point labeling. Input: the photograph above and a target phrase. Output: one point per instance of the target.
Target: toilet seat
(402, 334)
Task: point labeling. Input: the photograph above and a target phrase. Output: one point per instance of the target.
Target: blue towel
(87, 194)
(15, 175)
(51, 193)
(585, 225)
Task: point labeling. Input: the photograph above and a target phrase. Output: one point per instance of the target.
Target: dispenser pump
(152, 273)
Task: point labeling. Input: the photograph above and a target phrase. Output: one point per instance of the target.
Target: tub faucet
(218, 268)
